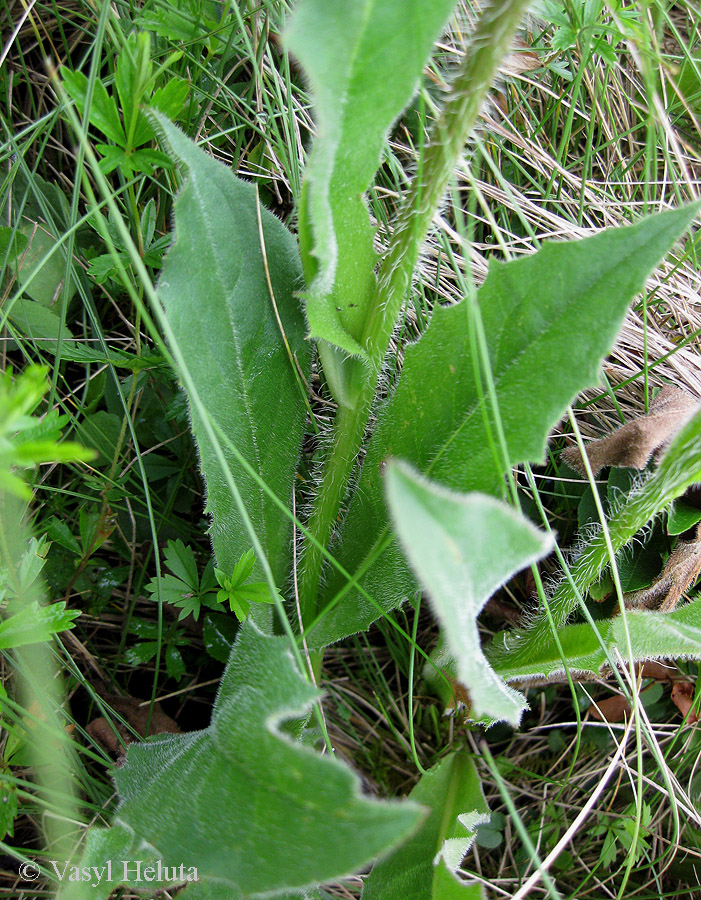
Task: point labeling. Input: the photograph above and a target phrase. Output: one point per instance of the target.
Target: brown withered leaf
(612, 709)
(650, 668)
(136, 713)
(679, 574)
(633, 444)
(683, 698)
(521, 59)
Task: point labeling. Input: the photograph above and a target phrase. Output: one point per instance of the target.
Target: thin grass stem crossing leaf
(242, 802)
(424, 867)
(462, 549)
(549, 320)
(364, 59)
(216, 296)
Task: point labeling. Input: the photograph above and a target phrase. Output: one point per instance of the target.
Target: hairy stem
(679, 468)
(349, 429)
(490, 42)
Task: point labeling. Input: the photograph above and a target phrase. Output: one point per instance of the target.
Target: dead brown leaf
(136, 713)
(683, 699)
(634, 443)
(612, 709)
(679, 574)
(652, 669)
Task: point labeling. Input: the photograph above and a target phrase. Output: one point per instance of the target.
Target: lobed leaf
(34, 623)
(462, 549)
(181, 561)
(265, 797)
(215, 294)
(549, 319)
(364, 60)
(424, 867)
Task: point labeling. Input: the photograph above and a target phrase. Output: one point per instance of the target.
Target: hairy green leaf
(673, 635)
(218, 303)
(549, 319)
(462, 549)
(209, 890)
(364, 60)
(266, 799)
(424, 867)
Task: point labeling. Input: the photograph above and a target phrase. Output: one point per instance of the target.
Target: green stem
(349, 429)
(490, 42)
(676, 471)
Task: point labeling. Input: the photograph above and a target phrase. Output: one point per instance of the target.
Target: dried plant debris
(679, 574)
(659, 671)
(683, 699)
(633, 444)
(612, 709)
(114, 736)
